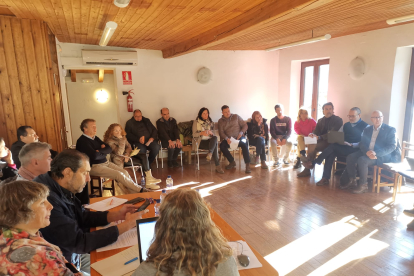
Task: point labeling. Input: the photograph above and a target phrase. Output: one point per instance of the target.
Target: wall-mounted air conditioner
(92, 57)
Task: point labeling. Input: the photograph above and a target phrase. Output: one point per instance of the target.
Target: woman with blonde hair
(115, 137)
(258, 134)
(186, 241)
(303, 126)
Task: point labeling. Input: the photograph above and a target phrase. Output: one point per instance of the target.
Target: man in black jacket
(69, 221)
(378, 145)
(169, 136)
(142, 133)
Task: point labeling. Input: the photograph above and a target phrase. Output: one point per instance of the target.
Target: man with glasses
(377, 144)
(352, 136)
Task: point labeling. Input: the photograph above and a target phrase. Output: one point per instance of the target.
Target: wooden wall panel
(29, 86)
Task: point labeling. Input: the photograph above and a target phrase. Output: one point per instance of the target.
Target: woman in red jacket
(303, 126)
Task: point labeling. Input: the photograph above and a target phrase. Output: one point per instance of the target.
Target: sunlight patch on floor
(206, 191)
(184, 184)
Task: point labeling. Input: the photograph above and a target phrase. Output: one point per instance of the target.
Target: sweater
(304, 128)
(231, 127)
(93, 149)
(353, 134)
(325, 125)
(281, 127)
(133, 135)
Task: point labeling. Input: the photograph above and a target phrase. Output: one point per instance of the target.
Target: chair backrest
(406, 147)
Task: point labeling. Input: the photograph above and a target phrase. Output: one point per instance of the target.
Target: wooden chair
(101, 187)
(336, 162)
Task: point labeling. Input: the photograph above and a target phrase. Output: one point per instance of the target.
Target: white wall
(244, 80)
(373, 91)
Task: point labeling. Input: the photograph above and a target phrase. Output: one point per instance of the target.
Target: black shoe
(361, 189)
(351, 184)
(298, 164)
(304, 173)
(231, 165)
(248, 170)
(176, 164)
(170, 164)
(304, 159)
(409, 213)
(322, 182)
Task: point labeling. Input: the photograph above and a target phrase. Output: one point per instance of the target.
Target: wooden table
(228, 232)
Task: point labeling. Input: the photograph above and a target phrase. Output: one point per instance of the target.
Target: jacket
(132, 131)
(70, 223)
(119, 146)
(167, 132)
(15, 150)
(200, 126)
(335, 123)
(385, 146)
(253, 130)
(231, 127)
(93, 149)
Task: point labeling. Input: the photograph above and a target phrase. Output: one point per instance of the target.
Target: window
(408, 132)
(314, 86)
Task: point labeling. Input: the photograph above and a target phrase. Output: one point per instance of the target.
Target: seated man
(232, 125)
(35, 160)
(352, 136)
(169, 136)
(89, 144)
(280, 130)
(25, 135)
(325, 124)
(141, 133)
(377, 146)
(69, 221)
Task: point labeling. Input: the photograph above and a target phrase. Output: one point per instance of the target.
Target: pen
(111, 202)
(130, 261)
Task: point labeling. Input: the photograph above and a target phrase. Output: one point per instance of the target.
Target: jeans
(153, 149)
(142, 160)
(260, 144)
(211, 146)
(224, 147)
(172, 152)
(313, 149)
(329, 154)
(362, 161)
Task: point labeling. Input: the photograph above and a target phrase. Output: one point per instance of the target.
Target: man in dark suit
(377, 145)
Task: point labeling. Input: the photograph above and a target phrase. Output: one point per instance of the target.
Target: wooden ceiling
(181, 26)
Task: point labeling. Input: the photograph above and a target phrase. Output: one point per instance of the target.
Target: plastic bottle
(169, 182)
(163, 194)
(143, 181)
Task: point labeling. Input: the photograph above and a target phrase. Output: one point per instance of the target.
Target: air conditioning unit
(91, 57)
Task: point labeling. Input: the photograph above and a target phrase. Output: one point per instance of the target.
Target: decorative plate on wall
(204, 75)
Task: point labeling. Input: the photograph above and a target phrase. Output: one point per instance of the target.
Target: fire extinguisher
(130, 101)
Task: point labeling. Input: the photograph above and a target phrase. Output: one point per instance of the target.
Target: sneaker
(298, 164)
(361, 189)
(257, 160)
(304, 173)
(170, 164)
(248, 170)
(264, 165)
(276, 163)
(176, 164)
(152, 186)
(208, 157)
(286, 162)
(219, 169)
(322, 182)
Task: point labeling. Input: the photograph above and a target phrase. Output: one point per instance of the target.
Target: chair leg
(181, 154)
(198, 160)
(100, 186)
(375, 180)
(162, 159)
(113, 187)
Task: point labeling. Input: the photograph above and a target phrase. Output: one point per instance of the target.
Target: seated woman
(115, 137)
(186, 240)
(203, 133)
(7, 166)
(303, 126)
(258, 134)
(24, 209)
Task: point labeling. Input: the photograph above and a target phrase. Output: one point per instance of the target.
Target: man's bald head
(377, 118)
(165, 113)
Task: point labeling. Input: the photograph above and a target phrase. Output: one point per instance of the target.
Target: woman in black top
(258, 134)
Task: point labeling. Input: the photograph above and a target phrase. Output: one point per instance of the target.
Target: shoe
(152, 186)
(209, 155)
(231, 165)
(175, 164)
(150, 178)
(144, 190)
(257, 161)
(409, 213)
(351, 184)
(219, 169)
(304, 173)
(264, 165)
(286, 162)
(361, 189)
(304, 158)
(298, 164)
(322, 182)
(248, 170)
(309, 165)
(152, 181)
(170, 164)
(276, 163)
(410, 226)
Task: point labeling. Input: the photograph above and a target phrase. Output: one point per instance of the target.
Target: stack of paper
(105, 205)
(245, 249)
(126, 239)
(115, 265)
(311, 141)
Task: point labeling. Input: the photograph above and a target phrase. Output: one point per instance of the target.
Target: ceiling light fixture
(401, 19)
(121, 3)
(107, 33)
(311, 40)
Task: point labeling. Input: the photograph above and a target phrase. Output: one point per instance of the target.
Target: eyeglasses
(352, 116)
(376, 118)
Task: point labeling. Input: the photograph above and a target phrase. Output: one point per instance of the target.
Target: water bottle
(169, 182)
(163, 194)
(143, 181)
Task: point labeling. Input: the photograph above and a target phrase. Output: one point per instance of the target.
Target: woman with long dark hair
(258, 134)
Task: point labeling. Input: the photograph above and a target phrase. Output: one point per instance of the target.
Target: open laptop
(146, 232)
(336, 137)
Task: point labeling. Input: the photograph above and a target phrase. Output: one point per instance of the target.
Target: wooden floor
(304, 229)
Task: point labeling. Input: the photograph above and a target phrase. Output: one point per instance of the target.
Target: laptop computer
(336, 137)
(146, 232)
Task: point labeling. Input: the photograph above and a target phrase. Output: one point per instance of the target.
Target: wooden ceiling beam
(268, 11)
(73, 75)
(101, 75)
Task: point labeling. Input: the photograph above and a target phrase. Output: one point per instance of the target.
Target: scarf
(26, 174)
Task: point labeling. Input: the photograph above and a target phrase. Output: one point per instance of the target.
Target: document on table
(311, 141)
(234, 143)
(105, 205)
(115, 265)
(237, 250)
(126, 239)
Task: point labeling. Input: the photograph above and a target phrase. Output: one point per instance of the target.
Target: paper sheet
(234, 144)
(126, 239)
(115, 265)
(104, 205)
(311, 141)
(237, 249)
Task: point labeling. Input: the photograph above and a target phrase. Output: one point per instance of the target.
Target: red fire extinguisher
(130, 101)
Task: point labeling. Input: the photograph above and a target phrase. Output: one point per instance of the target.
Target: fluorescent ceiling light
(107, 33)
(121, 3)
(311, 40)
(401, 19)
